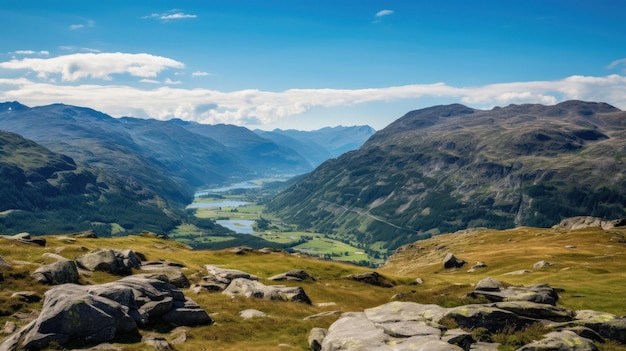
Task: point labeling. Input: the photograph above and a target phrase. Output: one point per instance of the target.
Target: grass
(593, 276)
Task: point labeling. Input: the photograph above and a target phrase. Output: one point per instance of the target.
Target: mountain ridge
(447, 168)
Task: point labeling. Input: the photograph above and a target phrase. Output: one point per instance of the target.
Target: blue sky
(309, 64)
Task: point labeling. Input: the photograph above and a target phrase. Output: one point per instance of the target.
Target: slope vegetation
(446, 168)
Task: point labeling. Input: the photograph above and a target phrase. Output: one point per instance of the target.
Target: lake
(241, 226)
(216, 204)
(243, 185)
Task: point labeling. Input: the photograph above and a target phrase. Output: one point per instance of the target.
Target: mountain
(322, 144)
(447, 168)
(265, 156)
(46, 192)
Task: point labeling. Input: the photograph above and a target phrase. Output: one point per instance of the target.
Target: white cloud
(200, 74)
(383, 13)
(89, 24)
(95, 65)
(30, 52)
(172, 82)
(171, 15)
(618, 63)
(267, 107)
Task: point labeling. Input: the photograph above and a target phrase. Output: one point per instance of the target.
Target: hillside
(580, 261)
(45, 192)
(447, 168)
(320, 145)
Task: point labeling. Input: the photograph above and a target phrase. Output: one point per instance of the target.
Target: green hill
(447, 168)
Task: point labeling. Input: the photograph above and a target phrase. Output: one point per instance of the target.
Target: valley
(239, 208)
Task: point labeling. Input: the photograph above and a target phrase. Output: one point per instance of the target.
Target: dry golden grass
(593, 276)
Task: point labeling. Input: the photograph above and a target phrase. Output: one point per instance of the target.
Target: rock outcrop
(492, 290)
(60, 272)
(118, 262)
(253, 288)
(26, 238)
(451, 261)
(297, 275)
(582, 222)
(98, 313)
(413, 326)
(372, 278)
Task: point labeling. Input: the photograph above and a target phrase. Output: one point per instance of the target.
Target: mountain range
(447, 168)
(154, 164)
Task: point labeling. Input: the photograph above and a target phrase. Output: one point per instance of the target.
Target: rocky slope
(446, 168)
(142, 292)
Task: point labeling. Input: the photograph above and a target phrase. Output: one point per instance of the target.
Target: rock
(586, 333)
(241, 250)
(156, 342)
(316, 337)
(419, 281)
(251, 313)
(60, 272)
(88, 234)
(219, 278)
(488, 284)
(405, 311)
(450, 261)
(295, 275)
(4, 263)
(371, 278)
(535, 310)
(9, 328)
(321, 315)
(492, 318)
(607, 325)
(98, 313)
(101, 347)
(542, 264)
(178, 336)
(477, 266)
(353, 331)
(118, 262)
(26, 238)
(560, 340)
(253, 288)
(26, 296)
(582, 222)
(459, 337)
(520, 272)
(539, 293)
(172, 276)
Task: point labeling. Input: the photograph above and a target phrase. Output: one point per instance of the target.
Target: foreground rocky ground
(142, 292)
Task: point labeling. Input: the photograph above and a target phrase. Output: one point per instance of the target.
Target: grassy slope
(595, 268)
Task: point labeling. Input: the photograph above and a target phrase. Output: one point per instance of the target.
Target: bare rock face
(253, 288)
(97, 314)
(118, 262)
(582, 222)
(60, 272)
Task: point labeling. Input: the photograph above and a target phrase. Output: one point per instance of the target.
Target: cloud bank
(160, 99)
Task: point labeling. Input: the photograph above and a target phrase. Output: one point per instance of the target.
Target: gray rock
(488, 284)
(450, 261)
(26, 238)
(118, 262)
(406, 329)
(218, 278)
(4, 263)
(295, 275)
(372, 278)
(60, 272)
(560, 341)
(477, 266)
(492, 318)
(582, 222)
(519, 272)
(98, 313)
(540, 293)
(315, 339)
(542, 264)
(605, 324)
(27, 296)
(251, 313)
(173, 276)
(101, 347)
(253, 288)
(353, 331)
(178, 336)
(156, 342)
(405, 311)
(321, 315)
(536, 310)
(459, 337)
(9, 328)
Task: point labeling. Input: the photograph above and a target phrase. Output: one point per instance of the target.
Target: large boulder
(492, 318)
(60, 272)
(297, 275)
(582, 222)
(491, 289)
(118, 262)
(372, 278)
(26, 238)
(219, 278)
(451, 261)
(99, 313)
(561, 340)
(253, 288)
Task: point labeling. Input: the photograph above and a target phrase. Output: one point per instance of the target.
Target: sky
(298, 64)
